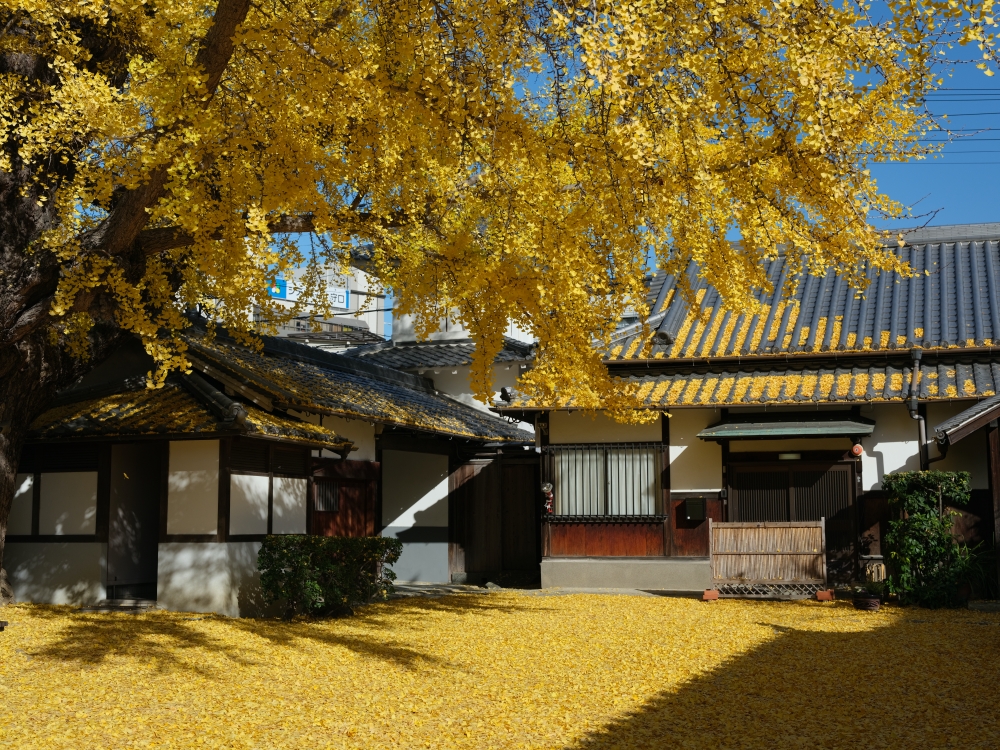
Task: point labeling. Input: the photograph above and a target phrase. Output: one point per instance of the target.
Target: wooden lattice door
(800, 491)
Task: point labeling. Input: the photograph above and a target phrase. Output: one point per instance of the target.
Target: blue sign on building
(279, 290)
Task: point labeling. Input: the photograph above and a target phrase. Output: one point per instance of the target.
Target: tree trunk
(33, 365)
(31, 372)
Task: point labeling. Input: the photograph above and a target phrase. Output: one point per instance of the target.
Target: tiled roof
(306, 379)
(955, 304)
(424, 354)
(170, 411)
(846, 385)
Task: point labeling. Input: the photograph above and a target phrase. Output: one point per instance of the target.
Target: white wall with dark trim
(415, 510)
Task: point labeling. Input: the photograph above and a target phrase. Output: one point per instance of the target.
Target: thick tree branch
(116, 234)
(161, 239)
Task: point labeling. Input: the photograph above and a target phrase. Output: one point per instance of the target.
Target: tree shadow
(163, 639)
(172, 640)
(391, 621)
(923, 679)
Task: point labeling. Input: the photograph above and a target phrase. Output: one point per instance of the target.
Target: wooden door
(801, 491)
(340, 507)
(480, 495)
(134, 521)
(343, 498)
(494, 509)
(521, 513)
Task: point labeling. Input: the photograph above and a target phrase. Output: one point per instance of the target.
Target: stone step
(134, 606)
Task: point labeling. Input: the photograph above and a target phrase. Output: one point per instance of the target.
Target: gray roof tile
(953, 301)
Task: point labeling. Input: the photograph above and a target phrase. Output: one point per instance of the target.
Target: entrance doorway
(343, 498)
(494, 529)
(801, 491)
(134, 521)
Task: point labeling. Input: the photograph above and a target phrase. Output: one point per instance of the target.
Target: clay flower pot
(867, 602)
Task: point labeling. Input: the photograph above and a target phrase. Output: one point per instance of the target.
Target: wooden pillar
(665, 497)
(726, 499)
(993, 456)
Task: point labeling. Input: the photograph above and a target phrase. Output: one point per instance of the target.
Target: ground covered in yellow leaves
(506, 670)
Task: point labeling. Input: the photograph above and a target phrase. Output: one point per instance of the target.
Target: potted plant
(869, 596)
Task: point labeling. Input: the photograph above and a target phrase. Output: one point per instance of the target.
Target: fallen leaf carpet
(506, 670)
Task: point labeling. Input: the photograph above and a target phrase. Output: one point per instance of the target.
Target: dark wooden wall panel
(358, 492)
(602, 539)
(484, 550)
(521, 507)
(690, 538)
(458, 515)
(476, 517)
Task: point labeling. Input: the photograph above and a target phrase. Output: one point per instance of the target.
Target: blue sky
(961, 184)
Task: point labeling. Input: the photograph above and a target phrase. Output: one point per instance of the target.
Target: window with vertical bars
(616, 479)
(327, 496)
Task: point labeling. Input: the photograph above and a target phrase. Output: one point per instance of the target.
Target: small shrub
(927, 566)
(324, 575)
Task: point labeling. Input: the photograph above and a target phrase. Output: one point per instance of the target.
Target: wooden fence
(768, 559)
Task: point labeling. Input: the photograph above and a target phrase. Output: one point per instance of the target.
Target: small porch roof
(763, 427)
(966, 422)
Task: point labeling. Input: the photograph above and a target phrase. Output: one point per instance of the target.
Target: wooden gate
(494, 506)
(343, 498)
(785, 491)
(768, 559)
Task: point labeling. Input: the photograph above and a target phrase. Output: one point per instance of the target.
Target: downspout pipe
(915, 411)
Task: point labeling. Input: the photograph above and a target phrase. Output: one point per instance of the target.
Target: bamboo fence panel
(773, 553)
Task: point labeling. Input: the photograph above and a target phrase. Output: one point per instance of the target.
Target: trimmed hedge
(926, 565)
(326, 575)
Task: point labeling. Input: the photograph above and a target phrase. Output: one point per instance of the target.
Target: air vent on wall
(327, 496)
(44, 458)
(290, 461)
(249, 455)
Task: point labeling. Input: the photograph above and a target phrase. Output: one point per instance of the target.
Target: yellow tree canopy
(506, 160)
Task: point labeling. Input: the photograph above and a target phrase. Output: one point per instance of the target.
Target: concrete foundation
(649, 573)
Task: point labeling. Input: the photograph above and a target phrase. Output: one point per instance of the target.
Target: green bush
(926, 565)
(326, 575)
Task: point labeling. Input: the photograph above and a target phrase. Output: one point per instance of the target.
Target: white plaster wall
(248, 503)
(19, 520)
(68, 503)
(193, 487)
(289, 505)
(580, 427)
(415, 510)
(794, 445)
(56, 572)
(969, 454)
(358, 431)
(403, 330)
(891, 447)
(695, 464)
(454, 381)
(210, 577)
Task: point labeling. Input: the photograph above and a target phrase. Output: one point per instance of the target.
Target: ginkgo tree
(499, 160)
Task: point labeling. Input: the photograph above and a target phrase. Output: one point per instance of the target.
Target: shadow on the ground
(169, 639)
(166, 641)
(925, 680)
(391, 620)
